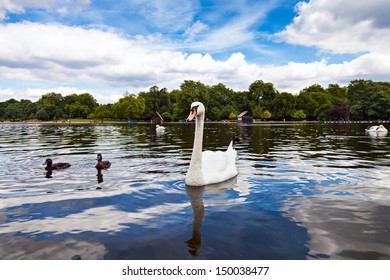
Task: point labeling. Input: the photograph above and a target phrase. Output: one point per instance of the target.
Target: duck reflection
(196, 198)
(48, 174)
(99, 175)
(99, 166)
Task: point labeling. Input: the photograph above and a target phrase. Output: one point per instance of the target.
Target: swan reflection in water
(196, 193)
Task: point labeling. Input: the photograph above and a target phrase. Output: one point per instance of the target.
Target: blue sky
(109, 47)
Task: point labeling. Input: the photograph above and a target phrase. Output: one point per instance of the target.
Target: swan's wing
(214, 161)
(219, 166)
(232, 154)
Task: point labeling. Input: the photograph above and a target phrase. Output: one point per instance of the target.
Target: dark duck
(102, 164)
(55, 166)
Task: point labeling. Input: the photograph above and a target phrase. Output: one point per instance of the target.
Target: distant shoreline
(76, 122)
(63, 123)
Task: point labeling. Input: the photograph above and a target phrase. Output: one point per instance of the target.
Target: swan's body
(160, 129)
(376, 128)
(208, 167)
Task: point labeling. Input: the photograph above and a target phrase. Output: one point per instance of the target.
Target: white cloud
(234, 34)
(194, 29)
(58, 6)
(341, 26)
(232, 26)
(53, 57)
(293, 77)
(101, 95)
(166, 14)
(66, 55)
(8, 93)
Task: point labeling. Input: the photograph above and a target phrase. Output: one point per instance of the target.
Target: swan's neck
(195, 169)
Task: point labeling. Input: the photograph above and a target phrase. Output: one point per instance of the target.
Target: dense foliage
(360, 100)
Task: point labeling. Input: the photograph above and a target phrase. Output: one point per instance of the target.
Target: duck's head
(48, 162)
(99, 157)
(196, 109)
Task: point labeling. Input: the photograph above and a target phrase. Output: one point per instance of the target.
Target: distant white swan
(160, 129)
(376, 129)
(208, 167)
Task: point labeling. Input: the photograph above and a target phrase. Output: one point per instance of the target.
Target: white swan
(208, 167)
(376, 131)
(377, 128)
(160, 129)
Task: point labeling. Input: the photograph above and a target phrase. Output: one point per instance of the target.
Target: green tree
(316, 102)
(103, 112)
(299, 115)
(359, 92)
(240, 101)
(4, 105)
(339, 113)
(78, 110)
(266, 115)
(232, 116)
(323, 112)
(215, 114)
(79, 105)
(369, 100)
(257, 111)
(17, 110)
(307, 104)
(325, 104)
(166, 116)
(261, 92)
(197, 91)
(189, 92)
(53, 103)
(42, 115)
(337, 91)
(129, 107)
(29, 109)
(156, 100)
(51, 110)
(379, 107)
(88, 100)
(340, 102)
(361, 100)
(284, 106)
(314, 89)
(226, 111)
(219, 97)
(13, 111)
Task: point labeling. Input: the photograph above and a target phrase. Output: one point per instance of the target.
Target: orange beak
(192, 114)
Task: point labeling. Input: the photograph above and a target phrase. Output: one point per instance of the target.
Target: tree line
(360, 100)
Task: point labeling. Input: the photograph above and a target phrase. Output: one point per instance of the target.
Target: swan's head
(196, 109)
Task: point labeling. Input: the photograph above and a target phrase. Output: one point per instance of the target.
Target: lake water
(297, 195)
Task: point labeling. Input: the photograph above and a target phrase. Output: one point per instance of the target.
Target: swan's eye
(194, 108)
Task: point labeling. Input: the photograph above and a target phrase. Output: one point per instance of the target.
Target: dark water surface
(297, 196)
